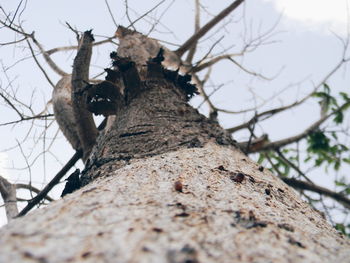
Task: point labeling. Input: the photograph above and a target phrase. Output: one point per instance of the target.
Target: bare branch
(253, 144)
(48, 60)
(68, 48)
(13, 42)
(197, 16)
(209, 51)
(74, 30)
(11, 105)
(55, 180)
(28, 119)
(8, 193)
(86, 127)
(127, 14)
(38, 64)
(145, 14)
(211, 62)
(40, 196)
(269, 113)
(33, 189)
(281, 155)
(317, 189)
(110, 13)
(247, 70)
(201, 32)
(310, 129)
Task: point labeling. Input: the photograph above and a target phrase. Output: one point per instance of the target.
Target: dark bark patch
(267, 191)
(29, 255)
(129, 134)
(193, 143)
(89, 34)
(146, 249)
(73, 183)
(86, 254)
(89, 190)
(295, 242)
(287, 227)
(157, 230)
(256, 224)
(178, 186)
(130, 76)
(237, 177)
(248, 222)
(182, 82)
(186, 255)
(104, 98)
(221, 168)
(154, 66)
(183, 214)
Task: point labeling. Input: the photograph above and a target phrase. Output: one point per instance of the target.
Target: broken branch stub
(130, 75)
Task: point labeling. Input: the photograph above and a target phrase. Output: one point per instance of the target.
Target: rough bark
(190, 205)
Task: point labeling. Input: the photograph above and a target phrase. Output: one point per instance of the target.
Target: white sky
(323, 15)
(3, 163)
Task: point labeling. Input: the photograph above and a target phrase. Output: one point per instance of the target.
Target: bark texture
(157, 121)
(209, 204)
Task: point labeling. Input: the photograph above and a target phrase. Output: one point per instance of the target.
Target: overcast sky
(305, 48)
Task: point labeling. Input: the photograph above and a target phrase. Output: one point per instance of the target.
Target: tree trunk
(209, 204)
(165, 184)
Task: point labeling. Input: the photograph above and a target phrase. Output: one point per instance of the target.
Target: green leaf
(318, 141)
(344, 96)
(339, 183)
(339, 117)
(340, 228)
(261, 158)
(326, 88)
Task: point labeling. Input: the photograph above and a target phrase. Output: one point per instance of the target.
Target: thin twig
(197, 16)
(201, 32)
(110, 13)
(38, 64)
(306, 132)
(28, 119)
(34, 189)
(292, 165)
(54, 181)
(43, 193)
(145, 14)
